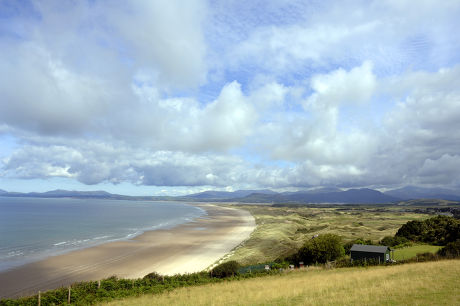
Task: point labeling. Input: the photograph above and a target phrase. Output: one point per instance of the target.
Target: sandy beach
(187, 248)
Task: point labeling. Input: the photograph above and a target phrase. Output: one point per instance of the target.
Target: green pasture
(409, 252)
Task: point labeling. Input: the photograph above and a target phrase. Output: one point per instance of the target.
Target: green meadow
(411, 251)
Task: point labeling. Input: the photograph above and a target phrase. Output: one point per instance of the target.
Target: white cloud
(183, 124)
(390, 33)
(166, 36)
(339, 86)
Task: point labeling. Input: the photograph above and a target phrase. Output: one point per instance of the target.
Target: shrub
(421, 257)
(226, 269)
(346, 262)
(280, 264)
(451, 250)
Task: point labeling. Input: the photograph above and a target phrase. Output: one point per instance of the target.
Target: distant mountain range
(356, 196)
(228, 194)
(316, 196)
(73, 194)
(412, 193)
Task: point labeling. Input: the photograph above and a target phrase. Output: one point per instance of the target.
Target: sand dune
(190, 247)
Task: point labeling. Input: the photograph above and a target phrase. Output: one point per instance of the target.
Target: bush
(226, 269)
(280, 264)
(421, 257)
(326, 247)
(451, 250)
(346, 262)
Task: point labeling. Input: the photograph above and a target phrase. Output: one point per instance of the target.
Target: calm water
(34, 228)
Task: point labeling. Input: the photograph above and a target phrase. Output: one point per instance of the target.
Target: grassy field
(429, 283)
(282, 230)
(409, 252)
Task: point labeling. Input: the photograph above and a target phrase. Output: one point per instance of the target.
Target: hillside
(412, 192)
(351, 196)
(430, 283)
(330, 195)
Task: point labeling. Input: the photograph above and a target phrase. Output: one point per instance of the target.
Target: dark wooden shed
(370, 252)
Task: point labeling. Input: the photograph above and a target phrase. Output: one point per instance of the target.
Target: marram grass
(429, 283)
(283, 230)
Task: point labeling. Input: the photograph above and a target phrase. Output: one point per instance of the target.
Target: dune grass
(409, 252)
(429, 283)
(282, 230)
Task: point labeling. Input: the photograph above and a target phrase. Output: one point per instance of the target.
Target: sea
(35, 228)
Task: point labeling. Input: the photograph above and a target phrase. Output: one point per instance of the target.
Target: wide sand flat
(190, 247)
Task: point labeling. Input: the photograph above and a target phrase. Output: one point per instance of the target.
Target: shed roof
(369, 248)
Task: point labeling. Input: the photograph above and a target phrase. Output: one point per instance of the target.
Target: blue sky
(173, 97)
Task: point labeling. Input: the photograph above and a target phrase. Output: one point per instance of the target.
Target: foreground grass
(283, 230)
(430, 283)
(410, 252)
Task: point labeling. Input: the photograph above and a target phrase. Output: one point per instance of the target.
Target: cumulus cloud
(315, 134)
(185, 124)
(339, 86)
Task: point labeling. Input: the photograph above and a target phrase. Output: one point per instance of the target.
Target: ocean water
(35, 228)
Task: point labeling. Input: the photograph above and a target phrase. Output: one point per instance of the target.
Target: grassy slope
(409, 252)
(430, 283)
(282, 230)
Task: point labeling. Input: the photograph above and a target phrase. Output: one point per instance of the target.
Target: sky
(174, 97)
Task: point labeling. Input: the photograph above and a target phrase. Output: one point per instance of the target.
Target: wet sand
(187, 248)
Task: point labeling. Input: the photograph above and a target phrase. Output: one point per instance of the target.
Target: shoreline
(186, 248)
(72, 245)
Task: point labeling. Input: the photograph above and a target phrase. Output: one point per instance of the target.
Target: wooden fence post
(68, 297)
(39, 298)
(98, 284)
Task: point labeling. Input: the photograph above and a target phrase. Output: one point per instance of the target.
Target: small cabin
(370, 252)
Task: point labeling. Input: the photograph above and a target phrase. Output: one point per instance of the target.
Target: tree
(326, 247)
(394, 241)
(229, 268)
(438, 230)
